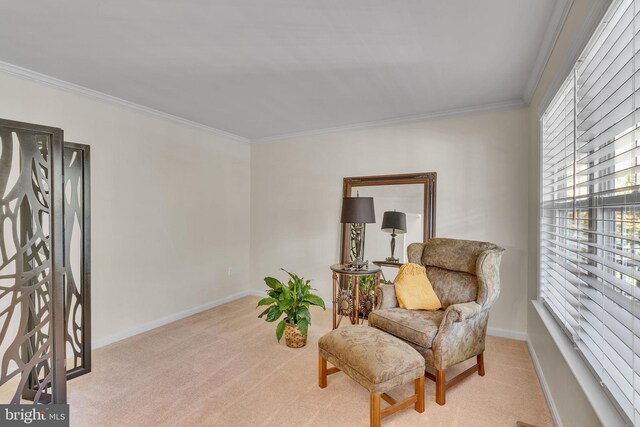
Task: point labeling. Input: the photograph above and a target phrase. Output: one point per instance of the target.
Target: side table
(350, 302)
(387, 264)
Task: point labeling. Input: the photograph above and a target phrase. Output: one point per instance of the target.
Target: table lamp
(357, 211)
(395, 223)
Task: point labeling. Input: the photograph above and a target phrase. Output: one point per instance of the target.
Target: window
(590, 206)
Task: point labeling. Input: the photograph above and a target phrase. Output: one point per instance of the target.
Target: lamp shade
(394, 222)
(358, 210)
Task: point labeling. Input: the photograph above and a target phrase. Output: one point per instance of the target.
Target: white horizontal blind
(590, 213)
(559, 231)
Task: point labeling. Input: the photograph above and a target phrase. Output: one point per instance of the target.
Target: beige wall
(296, 190)
(170, 207)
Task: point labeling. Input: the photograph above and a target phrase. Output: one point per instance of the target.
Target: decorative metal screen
(31, 259)
(77, 258)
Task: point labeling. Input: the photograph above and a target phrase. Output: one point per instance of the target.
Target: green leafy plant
(293, 300)
(366, 283)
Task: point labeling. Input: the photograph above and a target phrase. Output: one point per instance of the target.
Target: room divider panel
(45, 320)
(31, 264)
(77, 258)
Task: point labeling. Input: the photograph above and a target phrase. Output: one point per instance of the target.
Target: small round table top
(345, 269)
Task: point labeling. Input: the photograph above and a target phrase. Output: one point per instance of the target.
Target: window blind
(590, 206)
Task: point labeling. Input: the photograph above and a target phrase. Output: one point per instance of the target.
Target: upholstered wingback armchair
(465, 276)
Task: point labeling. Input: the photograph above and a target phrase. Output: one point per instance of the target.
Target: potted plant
(293, 300)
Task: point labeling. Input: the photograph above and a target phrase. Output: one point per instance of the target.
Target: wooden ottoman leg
(375, 409)
(480, 359)
(419, 387)
(322, 372)
(441, 386)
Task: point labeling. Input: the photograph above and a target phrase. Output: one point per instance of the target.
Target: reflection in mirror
(412, 194)
(400, 198)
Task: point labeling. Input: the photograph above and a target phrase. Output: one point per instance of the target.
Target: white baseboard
(545, 387)
(507, 333)
(257, 293)
(496, 332)
(168, 319)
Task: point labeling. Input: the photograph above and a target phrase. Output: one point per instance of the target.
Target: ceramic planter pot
(293, 337)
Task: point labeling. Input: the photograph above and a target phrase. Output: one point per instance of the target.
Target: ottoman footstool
(377, 361)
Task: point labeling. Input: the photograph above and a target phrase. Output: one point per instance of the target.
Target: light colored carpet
(224, 367)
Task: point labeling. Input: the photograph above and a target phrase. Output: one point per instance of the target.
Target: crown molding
(405, 119)
(34, 76)
(556, 23)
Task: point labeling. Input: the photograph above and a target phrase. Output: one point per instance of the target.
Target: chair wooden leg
(322, 372)
(419, 388)
(480, 359)
(375, 409)
(441, 386)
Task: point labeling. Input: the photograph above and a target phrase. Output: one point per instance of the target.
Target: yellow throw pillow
(413, 289)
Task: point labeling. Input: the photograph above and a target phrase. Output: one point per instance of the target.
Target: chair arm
(459, 313)
(488, 273)
(385, 297)
(461, 334)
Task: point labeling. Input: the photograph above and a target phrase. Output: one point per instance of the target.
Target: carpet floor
(224, 367)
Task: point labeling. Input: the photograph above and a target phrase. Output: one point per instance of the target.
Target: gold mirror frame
(427, 179)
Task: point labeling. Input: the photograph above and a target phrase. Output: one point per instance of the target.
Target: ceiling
(260, 69)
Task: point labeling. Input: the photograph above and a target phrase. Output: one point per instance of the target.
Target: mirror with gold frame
(412, 194)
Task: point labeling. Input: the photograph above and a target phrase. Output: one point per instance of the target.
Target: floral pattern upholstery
(417, 326)
(453, 287)
(414, 252)
(459, 340)
(466, 277)
(453, 254)
(386, 296)
(489, 277)
(376, 360)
